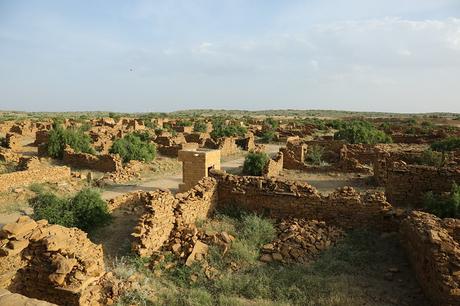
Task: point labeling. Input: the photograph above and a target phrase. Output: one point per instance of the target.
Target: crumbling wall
(434, 255)
(13, 141)
(156, 224)
(38, 175)
(294, 155)
(102, 163)
(164, 212)
(247, 143)
(274, 165)
(406, 184)
(226, 145)
(198, 203)
(345, 207)
(387, 154)
(50, 262)
(173, 150)
(7, 155)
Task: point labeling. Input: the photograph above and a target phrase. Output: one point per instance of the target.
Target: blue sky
(136, 56)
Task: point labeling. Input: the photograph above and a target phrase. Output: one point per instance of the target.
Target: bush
(222, 130)
(200, 126)
(254, 163)
(361, 132)
(87, 210)
(444, 206)
(271, 123)
(448, 144)
(132, 147)
(59, 138)
(184, 123)
(315, 155)
(268, 136)
(431, 158)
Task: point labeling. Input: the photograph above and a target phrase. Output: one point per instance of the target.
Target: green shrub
(254, 163)
(315, 155)
(268, 136)
(431, 158)
(448, 144)
(132, 147)
(184, 123)
(59, 138)
(222, 130)
(361, 132)
(200, 126)
(444, 206)
(271, 123)
(86, 210)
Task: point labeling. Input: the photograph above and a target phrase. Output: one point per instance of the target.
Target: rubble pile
(300, 241)
(50, 262)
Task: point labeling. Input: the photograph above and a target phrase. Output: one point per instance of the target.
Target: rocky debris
(189, 244)
(300, 241)
(50, 262)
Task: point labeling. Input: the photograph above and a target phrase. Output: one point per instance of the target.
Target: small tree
(59, 138)
(254, 163)
(446, 145)
(132, 147)
(431, 158)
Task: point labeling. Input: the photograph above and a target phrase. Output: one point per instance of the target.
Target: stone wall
(198, 203)
(102, 163)
(279, 198)
(434, 254)
(156, 224)
(247, 143)
(226, 145)
(274, 166)
(40, 175)
(173, 151)
(387, 154)
(331, 148)
(294, 156)
(50, 262)
(406, 184)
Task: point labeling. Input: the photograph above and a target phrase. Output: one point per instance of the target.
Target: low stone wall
(102, 163)
(387, 154)
(405, 184)
(345, 207)
(38, 175)
(50, 262)
(274, 165)
(247, 144)
(434, 254)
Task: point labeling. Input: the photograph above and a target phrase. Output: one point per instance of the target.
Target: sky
(148, 56)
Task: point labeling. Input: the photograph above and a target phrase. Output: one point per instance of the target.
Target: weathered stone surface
(434, 254)
(50, 262)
